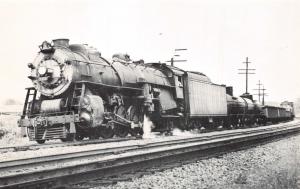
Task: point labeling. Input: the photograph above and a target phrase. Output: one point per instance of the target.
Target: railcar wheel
(121, 131)
(106, 132)
(40, 141)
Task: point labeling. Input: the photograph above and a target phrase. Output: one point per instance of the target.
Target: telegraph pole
(259, 90)
(263, 95)
(247, 72)
(172, 59)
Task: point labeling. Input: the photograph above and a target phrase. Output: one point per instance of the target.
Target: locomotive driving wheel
(121, 130)
(107, 131)
(134, 115)
(40, 141)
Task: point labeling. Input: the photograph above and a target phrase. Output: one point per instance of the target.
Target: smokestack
(61, 43)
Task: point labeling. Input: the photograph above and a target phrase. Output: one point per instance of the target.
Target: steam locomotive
(77, 93)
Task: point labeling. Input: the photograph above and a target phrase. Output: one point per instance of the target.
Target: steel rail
(117, 150)
(74, 143)
(62, 144)
(142, 153)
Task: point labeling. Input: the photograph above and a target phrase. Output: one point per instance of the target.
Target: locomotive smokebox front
(51, 71)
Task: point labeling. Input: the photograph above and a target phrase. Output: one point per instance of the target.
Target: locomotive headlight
(42, 70)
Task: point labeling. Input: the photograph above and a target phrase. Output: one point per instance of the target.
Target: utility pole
(263, 95)
(247, 72)
(177, 55)
(259, 90)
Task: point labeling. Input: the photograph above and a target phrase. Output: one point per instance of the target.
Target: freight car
(277, 114)
(79, 94)
(289, 107)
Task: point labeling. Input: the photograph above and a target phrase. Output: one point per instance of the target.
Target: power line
(181, 49)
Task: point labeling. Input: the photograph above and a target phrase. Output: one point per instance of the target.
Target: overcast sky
(218, 34)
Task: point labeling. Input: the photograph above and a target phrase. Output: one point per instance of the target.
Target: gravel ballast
(273, 165)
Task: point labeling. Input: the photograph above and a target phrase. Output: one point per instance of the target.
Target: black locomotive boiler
(77, 93)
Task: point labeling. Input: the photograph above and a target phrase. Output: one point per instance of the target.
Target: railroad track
(61, 144)
(64, 144)
(62, 169)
